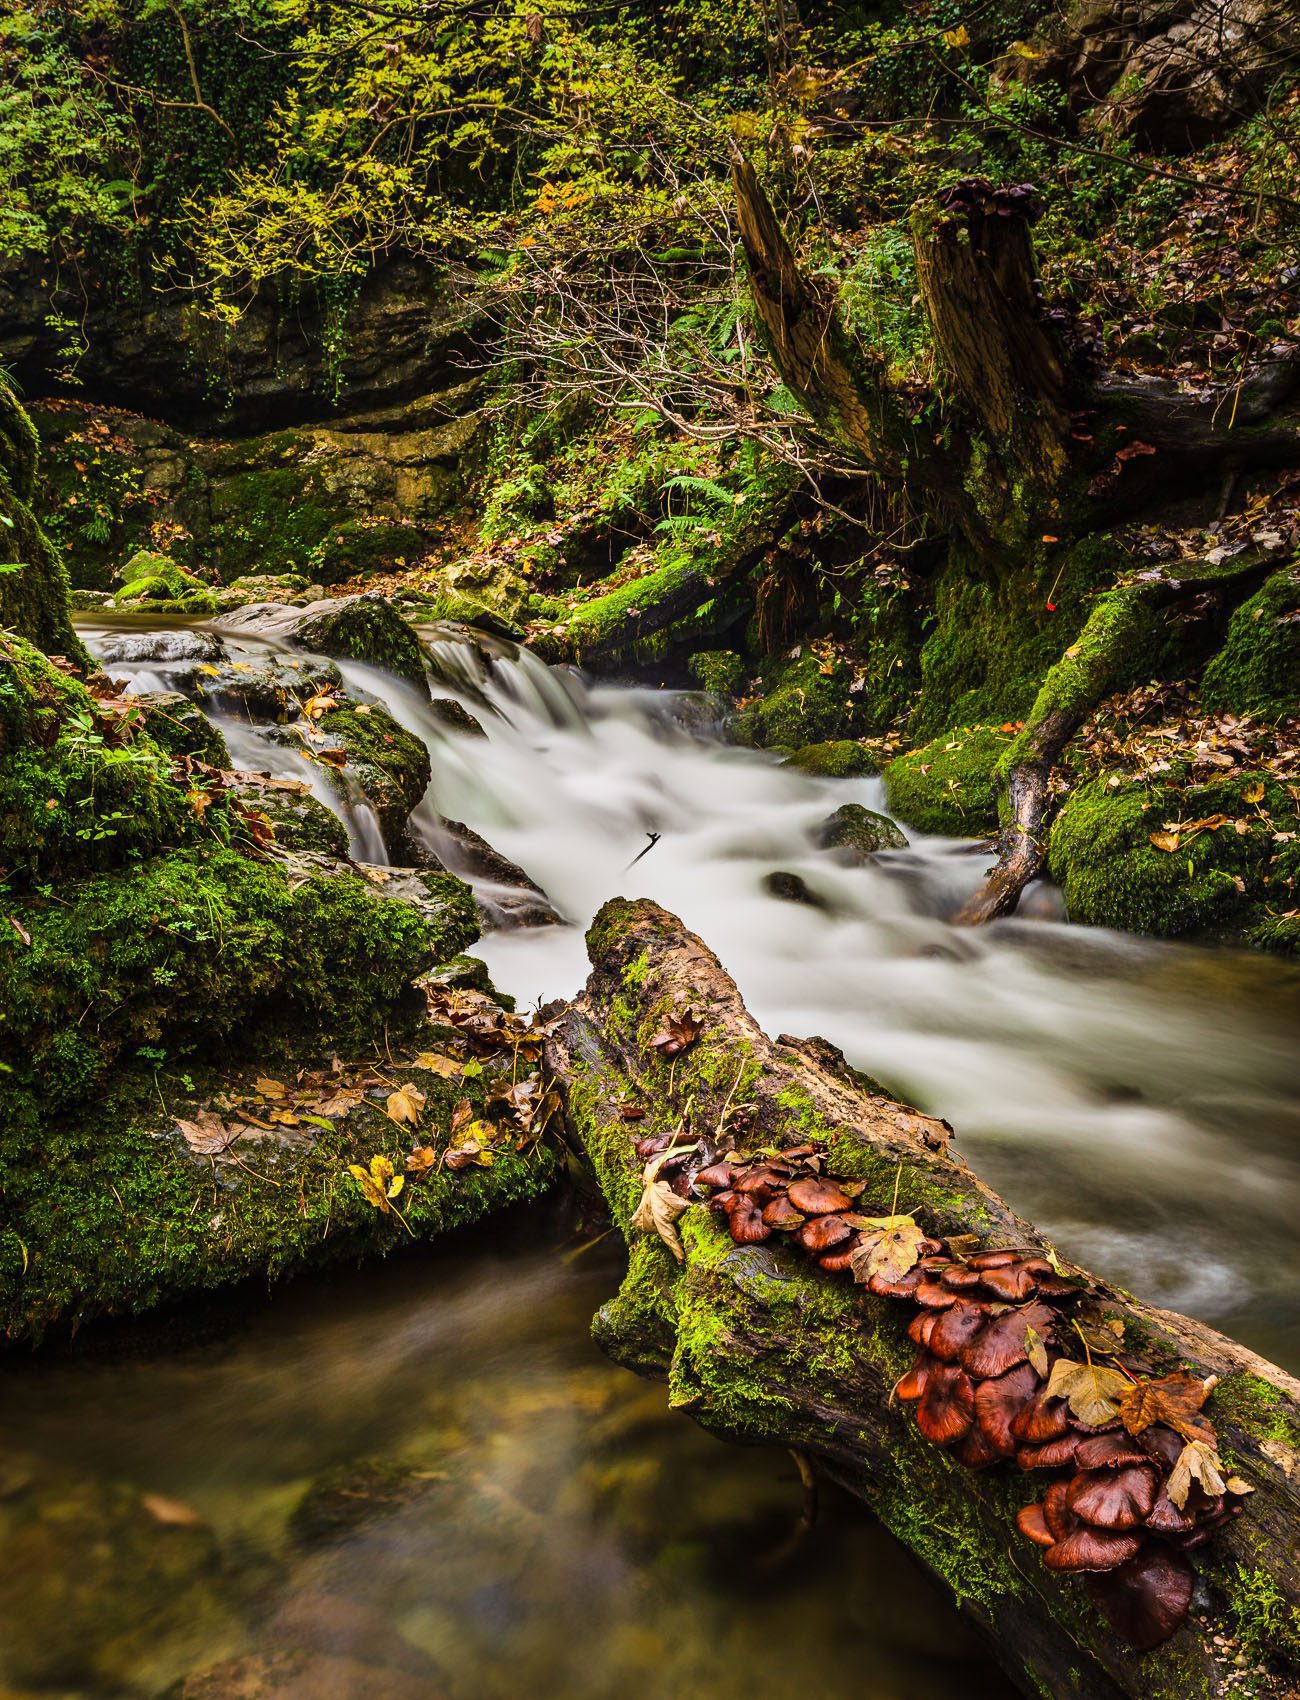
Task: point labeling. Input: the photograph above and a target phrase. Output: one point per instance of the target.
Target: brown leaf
(1198, 1461)
(405, 1104)
(207, 1134)
(1093, 1391)
(677, 1031)
(1167, 841)
(421, 1159)
(1173, 1400)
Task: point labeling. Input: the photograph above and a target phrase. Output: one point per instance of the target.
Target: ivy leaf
(1198, 1461)
(1173, 1400)
(657, 1213)
(1093, 1391)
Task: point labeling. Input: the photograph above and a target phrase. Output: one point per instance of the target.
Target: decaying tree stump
(758, 1344)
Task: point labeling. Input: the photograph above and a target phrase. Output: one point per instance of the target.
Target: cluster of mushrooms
(988, 1327)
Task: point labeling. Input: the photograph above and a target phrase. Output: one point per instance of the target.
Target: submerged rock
(856, 834)
(513, 899)
(353, 1494)
(186, 645)
(303, 1676)
(792, 888)
(456, 717)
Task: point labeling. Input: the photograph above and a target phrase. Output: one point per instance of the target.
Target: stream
(432, 1459)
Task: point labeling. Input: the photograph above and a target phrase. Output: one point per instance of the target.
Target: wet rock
(792, 888)
(855, 834)
(455, 717)
(511, 899)
(181, 727)
(840, 758)
(388, 765)
(299, 820)
(91, 1578)
(357, 628)
(333, 1625)
(134, 647)
(353, 1494)
(270, 690)
(467, 974)
(303, 1676)
(86, 599)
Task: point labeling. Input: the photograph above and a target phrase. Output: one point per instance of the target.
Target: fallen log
(760, 1344)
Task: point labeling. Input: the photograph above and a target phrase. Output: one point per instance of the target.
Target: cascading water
(1136, 1100)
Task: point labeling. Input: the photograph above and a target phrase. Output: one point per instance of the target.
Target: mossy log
(758, 1345)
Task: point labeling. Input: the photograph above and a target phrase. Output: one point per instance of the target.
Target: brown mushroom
(1165, 1518)
(1043, 1419)
(1033, 1525)
(947, 1407)
(1003, 1343)
(959, 1276)
(840, 1261)
(922, 1324)
(1056, 1510)
(1049, 1283)
(975, 1450)
(999, 1400)
(1089, 1548)
(903, 1288)
(1146, 1599)
(746, 1222)
(1114, 1499)
(1162, 1444)
(723, 1200)
(930, 1294)
(820, 1233)
(716, 1178)
(991, 1259)
(1051, 1454)
(816, 1197)
(955, 1328)
(1010, 1282)
(761, 1183)
(652, 1145)
(1111, 1451)
(780, 1213)
(909, 1388)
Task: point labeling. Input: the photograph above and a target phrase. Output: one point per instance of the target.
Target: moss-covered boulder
(806, 701)
(1258, 669)
(298, 820)
(362, 628)
(949, 786)
(389, 765)
(180, 728)
(840, 758)
(721, 671)
(152, 580)
(855, 834)
(1204, 861)
(33, 583)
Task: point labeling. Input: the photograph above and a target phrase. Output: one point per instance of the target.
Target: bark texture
(758, 1345)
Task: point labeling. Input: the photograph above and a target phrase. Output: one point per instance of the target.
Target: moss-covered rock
(1148, 859)
(362, 628)
(806, 701)
(840, 758)
(1258, 669)
(949, 786)
(156, 581)
(389, 764)
(298, 820)
(33, 583)
(719, 670)
(180, 728)
(855, 834)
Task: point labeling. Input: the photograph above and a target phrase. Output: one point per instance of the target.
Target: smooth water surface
(426, 1480)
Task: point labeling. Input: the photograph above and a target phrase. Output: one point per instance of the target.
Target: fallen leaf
(269, 1088)
(1173, 1400)
(1198, 1461)
(172, 1512)
(433, 1062)
(22, 932)
(380, 1183)
(677, 1031)
(421, 1159)
(1037, 1350)
(890, 1252)
(1093, 1391)
(1167, 841)
(657, 1213)
(405, 1104)
(207, 1134)
(321, 703)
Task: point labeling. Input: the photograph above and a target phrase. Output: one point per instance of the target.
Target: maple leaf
(677, 1031)
(1093, 1391)
(321, 703)
(657, 1213)
(1198, 1461)
(421, 1159)
(1173, 1400)
(433, 1062)
(380, 1184)
(405, 1104)
(890, 1252)
(207, 1134)
(269, 1088)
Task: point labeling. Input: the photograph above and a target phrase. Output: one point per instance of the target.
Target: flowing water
(427, 1468)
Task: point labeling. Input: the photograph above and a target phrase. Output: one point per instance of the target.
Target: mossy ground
(949, 786)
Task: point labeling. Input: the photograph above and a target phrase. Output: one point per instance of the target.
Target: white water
(1138, 1101)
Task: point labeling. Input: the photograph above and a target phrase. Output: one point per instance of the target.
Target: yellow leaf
(319, 704)
(269, 1088)
(1167, 841)
(960, 37)
(433, 1062)
(1254, 793)
(405, 1104)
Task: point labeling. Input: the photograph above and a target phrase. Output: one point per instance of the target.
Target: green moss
(719, 670)
(364, 628)
(949, 786)
(840, 758)
(1257, 1408)
(33, 583)
(805, 702)
(1258, 669)
(1266, 1622)
(1213, 883)
(390, 764)
(148, 577)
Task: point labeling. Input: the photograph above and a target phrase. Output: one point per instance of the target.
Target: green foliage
(1258, 669)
